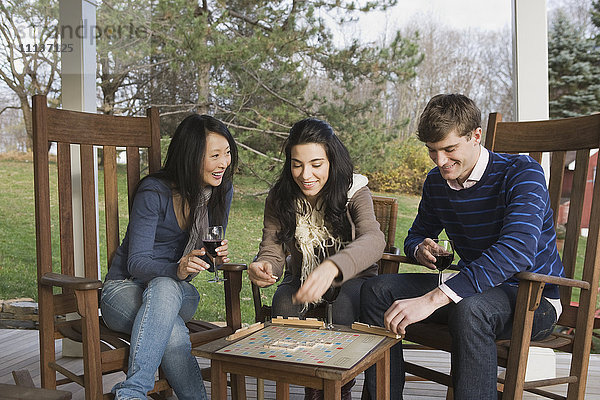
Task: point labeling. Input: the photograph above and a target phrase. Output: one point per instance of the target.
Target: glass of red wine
(212, 239)
(444, 254)
(329, 296)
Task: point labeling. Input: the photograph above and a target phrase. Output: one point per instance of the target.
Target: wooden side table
(328, 379)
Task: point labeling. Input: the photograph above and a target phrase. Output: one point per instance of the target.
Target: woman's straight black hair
(333, 195)
(183, 168)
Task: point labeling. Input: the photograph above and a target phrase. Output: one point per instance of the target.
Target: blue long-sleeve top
(500, 226)
(154, 242)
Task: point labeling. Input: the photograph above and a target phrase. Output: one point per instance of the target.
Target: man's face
(456, 155)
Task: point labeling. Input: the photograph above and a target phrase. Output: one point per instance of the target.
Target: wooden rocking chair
(60, 291)
(582, 135)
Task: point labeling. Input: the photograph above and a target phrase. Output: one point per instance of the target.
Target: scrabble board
(305, 346)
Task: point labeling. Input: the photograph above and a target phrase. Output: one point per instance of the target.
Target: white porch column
(530, 62)
(78, 76)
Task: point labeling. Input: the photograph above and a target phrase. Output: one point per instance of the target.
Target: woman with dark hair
(321, 214)
(147, 292)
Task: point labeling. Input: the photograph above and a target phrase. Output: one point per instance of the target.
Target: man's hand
(408, 311)
(423, 254)
(261, 273)
(317, 283)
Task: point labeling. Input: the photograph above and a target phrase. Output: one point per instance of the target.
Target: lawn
(17, 237)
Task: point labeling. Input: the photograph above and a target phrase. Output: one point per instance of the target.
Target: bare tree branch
(9, 107)
(254, 22)
(257, 175)
(281, 135)
(276, 95)
(242, 145)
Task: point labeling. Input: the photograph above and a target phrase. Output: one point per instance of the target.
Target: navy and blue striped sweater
(500, 226)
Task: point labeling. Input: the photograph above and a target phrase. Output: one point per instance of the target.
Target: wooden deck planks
(19, 349)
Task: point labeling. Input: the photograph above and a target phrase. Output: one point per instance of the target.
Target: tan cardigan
(358, 258)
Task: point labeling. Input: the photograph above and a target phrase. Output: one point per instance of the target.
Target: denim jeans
(154, 313)
(346, 307)
(474, 324)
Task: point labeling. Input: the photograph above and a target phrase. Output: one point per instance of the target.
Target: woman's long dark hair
(184, 165)
(334, 194)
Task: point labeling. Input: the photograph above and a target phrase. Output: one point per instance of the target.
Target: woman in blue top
(147, 292)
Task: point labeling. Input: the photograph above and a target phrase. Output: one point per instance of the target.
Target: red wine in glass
(211, 246)
(444, 254)
(212, 239)
(329, 296)
(443, 261)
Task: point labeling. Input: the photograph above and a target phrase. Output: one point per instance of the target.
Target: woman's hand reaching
(317, 283)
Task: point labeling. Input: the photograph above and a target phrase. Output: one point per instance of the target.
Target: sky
(477, 14)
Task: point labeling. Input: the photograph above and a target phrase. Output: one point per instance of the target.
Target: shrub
(405, 170)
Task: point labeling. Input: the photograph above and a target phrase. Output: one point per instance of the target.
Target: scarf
(313, 239)
(199, 225)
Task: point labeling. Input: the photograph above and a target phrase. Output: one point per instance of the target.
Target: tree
(29, 52)
(473, 62)
(574, 70)
(12, 129)
(262, 65)
(595, 18)
(125, 54)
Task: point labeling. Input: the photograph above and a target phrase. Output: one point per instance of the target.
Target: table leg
(383, 377)
(260, 389)
(218, 381)
(238, 386)
(282, 391)
(332, 389)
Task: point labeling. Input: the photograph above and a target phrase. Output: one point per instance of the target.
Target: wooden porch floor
(19, 350)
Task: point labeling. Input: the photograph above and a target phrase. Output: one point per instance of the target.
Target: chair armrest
(70, 282)
(394, 250)
(555, 280)
(233, 267)
(399, 258)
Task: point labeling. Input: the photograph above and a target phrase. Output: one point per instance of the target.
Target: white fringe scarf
(313, 239)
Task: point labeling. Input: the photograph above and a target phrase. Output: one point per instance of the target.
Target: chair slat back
(580, 135)
(89, 131)
(386, 213)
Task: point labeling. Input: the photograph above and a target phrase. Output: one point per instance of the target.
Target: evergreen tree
(574, 70)
(595, 11)
(263, 65)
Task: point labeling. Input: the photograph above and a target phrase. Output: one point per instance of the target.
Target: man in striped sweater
(496, 209)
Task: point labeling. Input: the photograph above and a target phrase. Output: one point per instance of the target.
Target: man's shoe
(312, 394)
(347, 390)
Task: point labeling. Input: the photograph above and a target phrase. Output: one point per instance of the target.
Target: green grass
(17, 231)
(17, 237)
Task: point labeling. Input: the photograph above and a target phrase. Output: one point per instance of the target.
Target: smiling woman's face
(217, 158)
(310, 168)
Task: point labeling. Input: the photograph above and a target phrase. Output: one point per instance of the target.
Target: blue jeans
(346, 307)
(154, 313)
(474, 324)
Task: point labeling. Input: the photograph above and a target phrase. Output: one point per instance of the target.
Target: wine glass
(329, 296)
(212, 239)
(444, 254)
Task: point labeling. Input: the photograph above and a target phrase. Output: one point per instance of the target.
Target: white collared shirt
(476, 173)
